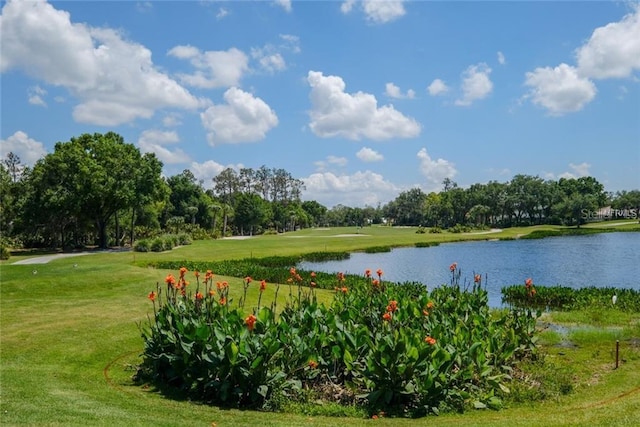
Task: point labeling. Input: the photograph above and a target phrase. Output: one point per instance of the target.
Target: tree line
(96, 189)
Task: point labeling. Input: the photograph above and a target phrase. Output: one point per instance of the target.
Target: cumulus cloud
(376, 11)
(337, 113)
(321, 165)
(435, 171)
(156, 141)
(366, 154)
(358, 189)
(208, 170)
(577, 170)
(285, 4)
(214, 68)
(560, 90)
(476, 84)
(437, 87)
(612, 51)
(270, 57)
(393, 91)
(28, 149)
(35, 94)
(243, 118)
(114, 79)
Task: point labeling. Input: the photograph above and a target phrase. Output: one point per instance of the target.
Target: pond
(602, 260)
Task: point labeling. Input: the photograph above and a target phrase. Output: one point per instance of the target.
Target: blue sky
(359, 99)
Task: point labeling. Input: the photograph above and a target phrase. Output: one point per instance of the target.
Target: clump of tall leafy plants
(399, 349)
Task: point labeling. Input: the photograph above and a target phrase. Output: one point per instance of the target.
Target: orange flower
(344, 290)
(170, 280)
(152, 295)
(425, 312)
(313, 274)
(312, 284)
(430, 305)
(386, 317)
(477, 278)
(430, 340)
(250, 321)
(199, 296)
(263, 285)
(393, 306)
(212, 293)
(223, 301)
(375, 283)
(289, 280)
(313, 364)
(292, 271)
(183, 270)
(248, 279)
(379, 272)
(341, 277)
(367, 273)
(196, 273)
(453, 266)
(528, 282)
(374, 417)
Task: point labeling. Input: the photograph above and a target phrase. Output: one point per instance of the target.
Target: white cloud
(501, 58)
(285, 4)
(214, 68)
(171, 120)
(393, 91)
(208, 170)
(222, 12)
(144, 6)
(28, 149)
(435, 170)
(347, 6)
(577, 171)
(243, 118)
(560, 90)
(35, 94)
(475, 84)
(270, 56)
(155, 141)
(114, 79)
(377, 11)
(290, 43)
(337, 113)
(613, 50)
(366, 154)
(437, 87)
(322, 165)
(359, 189)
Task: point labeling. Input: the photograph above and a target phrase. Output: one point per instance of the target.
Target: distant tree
(315, 211)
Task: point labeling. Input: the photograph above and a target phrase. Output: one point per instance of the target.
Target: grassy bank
(69, 339)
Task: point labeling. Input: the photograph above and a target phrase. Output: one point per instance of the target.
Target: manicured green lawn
(69, 338)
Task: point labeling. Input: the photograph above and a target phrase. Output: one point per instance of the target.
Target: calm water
(608, 259)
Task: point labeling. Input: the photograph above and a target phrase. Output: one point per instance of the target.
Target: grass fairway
(69, 339)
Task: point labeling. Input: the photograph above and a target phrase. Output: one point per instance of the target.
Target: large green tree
(87, 180)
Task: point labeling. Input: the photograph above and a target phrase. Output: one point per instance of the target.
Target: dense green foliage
(96, 189)
(395, 348)
(565, 298)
